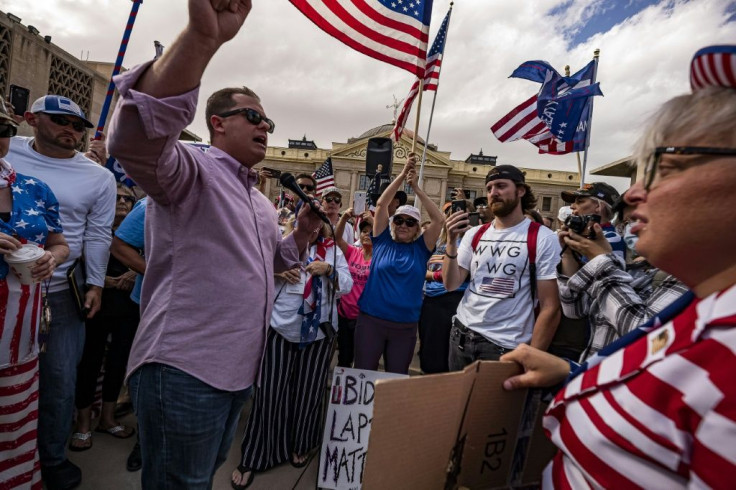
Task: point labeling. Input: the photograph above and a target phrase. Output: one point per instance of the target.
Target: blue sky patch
(601, 16)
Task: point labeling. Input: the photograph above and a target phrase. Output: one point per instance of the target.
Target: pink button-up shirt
(212, 244)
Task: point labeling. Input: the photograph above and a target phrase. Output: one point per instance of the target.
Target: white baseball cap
(564, 213)
(56, 104)
(330, 190)
(408, 210)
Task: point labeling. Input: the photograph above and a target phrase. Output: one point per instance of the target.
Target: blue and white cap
(56, 104)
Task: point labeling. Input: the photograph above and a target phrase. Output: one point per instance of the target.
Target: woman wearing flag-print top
(29, 213)
(285, 422)
(657, 408)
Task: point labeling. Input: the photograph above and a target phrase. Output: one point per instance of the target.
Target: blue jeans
(186, 426)
(58, 378)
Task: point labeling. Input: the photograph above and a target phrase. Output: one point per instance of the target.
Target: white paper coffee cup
(23, 259)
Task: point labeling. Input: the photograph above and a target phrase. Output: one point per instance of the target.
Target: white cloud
(311, 83)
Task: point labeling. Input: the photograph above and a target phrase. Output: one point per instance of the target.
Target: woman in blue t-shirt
(392, 298)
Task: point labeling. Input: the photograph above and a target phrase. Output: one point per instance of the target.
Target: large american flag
(431, 77)
(324, 176)
(393, 31)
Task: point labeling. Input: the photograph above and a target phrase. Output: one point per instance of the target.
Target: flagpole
(420, 179)
(589, 128)
(416, 120)
(117, 67)
(577, 153)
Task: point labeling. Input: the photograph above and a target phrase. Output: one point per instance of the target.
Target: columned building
(441, 173)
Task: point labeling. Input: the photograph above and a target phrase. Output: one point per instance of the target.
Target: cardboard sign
(348, 427)
(359, 203)
(454, 430)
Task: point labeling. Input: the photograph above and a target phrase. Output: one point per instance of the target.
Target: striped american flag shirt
(657, 409)
(19, 460)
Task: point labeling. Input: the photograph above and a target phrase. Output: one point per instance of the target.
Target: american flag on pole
(324, 176)
(431, 77)
(523, 121)
(393, 31)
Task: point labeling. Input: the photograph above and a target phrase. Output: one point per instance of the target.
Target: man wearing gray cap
(86, 193)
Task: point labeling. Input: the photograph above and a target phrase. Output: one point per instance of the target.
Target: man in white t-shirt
(497, 312)
(87, 195)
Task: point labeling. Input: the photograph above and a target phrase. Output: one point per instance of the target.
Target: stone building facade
(29, 59)
(441, 173)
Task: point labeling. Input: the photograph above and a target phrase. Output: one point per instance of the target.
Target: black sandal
(302, 464)
(242, 469)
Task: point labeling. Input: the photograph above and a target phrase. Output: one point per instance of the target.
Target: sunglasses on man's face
(252, 116)
(409, 222)
(336, 200)
(8, 130)
(306, 187)
(64, 121)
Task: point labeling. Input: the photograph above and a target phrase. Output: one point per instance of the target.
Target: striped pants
(286, 416)
(19, 464)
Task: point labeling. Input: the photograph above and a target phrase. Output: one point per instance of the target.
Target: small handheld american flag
(324, 176)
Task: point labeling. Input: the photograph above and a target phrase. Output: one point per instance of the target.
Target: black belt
(464, 330)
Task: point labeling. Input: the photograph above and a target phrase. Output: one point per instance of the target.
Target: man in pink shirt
(212, 247)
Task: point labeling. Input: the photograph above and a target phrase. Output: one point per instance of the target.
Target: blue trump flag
(535, 70)
(562, 101)
(120, 176)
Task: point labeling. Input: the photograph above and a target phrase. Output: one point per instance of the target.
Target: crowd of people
(202, 294)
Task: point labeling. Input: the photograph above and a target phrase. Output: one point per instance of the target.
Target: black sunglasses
(8, 130)
(78, 126)
(306, 187)
(650, 170)
(336, 200)
(410, 222)
(130, 199)
(253, 116)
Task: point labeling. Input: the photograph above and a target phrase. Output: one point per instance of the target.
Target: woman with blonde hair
(392, 299)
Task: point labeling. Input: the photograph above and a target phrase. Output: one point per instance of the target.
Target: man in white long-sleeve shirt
(86, 193)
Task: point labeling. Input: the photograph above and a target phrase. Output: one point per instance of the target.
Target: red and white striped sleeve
(660, 413)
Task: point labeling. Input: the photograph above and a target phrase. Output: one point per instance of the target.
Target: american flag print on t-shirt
(499, 286)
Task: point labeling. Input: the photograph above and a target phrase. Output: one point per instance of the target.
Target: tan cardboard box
(456, 430)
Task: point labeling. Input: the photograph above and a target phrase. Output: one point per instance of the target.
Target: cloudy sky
(312, 84)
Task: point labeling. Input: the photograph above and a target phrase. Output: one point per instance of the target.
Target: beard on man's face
(503, 208)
